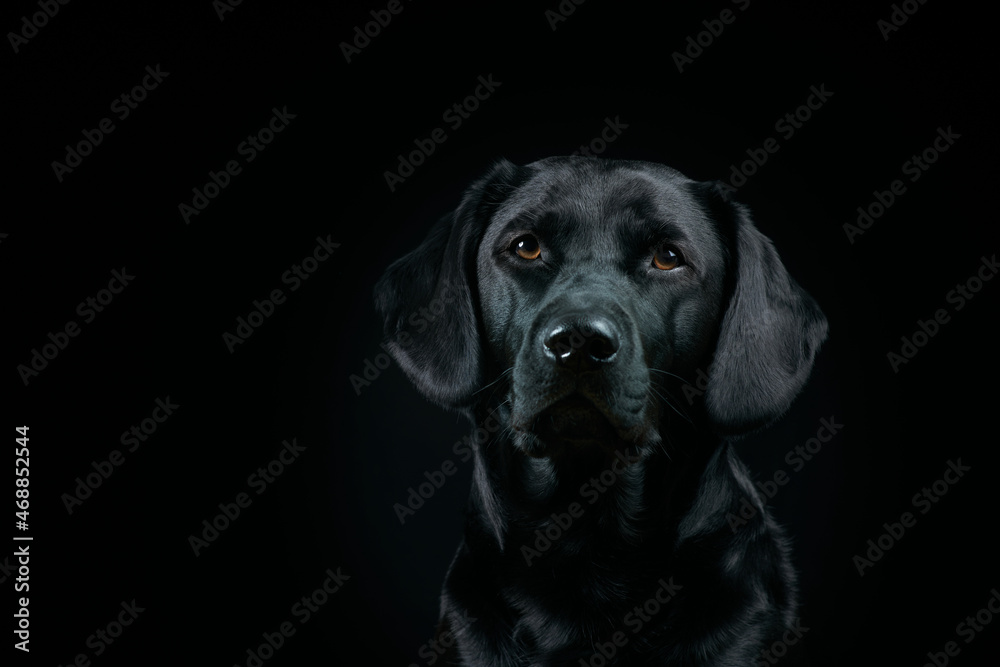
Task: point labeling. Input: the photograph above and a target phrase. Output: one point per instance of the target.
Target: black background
(324, 175)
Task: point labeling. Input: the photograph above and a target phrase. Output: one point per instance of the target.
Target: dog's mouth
(574, 420)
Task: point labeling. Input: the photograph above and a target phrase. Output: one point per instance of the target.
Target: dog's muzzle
(580, 382)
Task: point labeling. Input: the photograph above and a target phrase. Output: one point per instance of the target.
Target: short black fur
(600, 498)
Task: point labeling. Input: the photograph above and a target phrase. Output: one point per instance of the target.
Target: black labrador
(579, 299)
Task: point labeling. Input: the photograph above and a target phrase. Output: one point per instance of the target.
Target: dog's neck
(601, 495)
(666, 516)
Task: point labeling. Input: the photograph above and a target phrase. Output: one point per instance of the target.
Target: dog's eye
(527, 247)
(665, 258)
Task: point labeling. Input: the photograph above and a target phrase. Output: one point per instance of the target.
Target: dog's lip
(574, 402)
(574, 417)
(570, 398)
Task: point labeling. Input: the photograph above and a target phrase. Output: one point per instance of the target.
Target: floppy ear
(428, 297)
(770, 333)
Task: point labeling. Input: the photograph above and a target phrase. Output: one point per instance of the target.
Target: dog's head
(585, 293)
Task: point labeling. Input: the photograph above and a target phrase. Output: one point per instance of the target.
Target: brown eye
(666, 259)
(527, 247)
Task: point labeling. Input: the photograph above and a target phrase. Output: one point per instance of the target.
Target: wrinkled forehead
(601, 202)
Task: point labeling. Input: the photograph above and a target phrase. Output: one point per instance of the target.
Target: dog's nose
(587, 341)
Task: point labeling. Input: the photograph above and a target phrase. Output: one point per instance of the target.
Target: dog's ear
(770, 332)
(428, 298)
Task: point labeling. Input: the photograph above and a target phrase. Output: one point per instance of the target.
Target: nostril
(560, 341)
(601, 348)
(602, 340)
